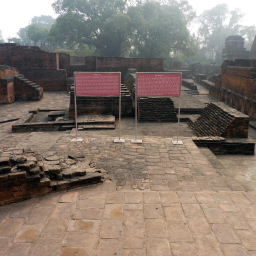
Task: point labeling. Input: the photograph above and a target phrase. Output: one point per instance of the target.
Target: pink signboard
(97, 84)
(158, 84)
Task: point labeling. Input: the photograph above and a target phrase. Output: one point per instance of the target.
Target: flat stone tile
(187, 198)
(131, 242)
(222, 198)
(113, 211)
(207, 245)
(96, 203)
(10, 227)
(237, 220)
(248, 210)
(133, 217)
(251, 196)
(4, 243)
(169, 198)
(233, 250)
(239, 198)
(28, 234)
(133, 197)
(159, 247)
(5, 211)
(192, 210)
(75, 239)
(214, 215)
(63, 211)
(111, 228)
(174, 214)
(248, 239)
(46, 246)
(115, 198)
(110, 247)
(39, 215)
(159, 188)
(204, 198)
(19, 249)
(91, 226)
(54, 228)
(134, 252)
(182, 249)
(91, 195)
(179, 232)
(229, 208)
(155, 228)
(225, 234)
(199, 225)
(23, 209)
(49, 201)
(91, 214)
(153, 211)
(133, 207)
(69, 197)
(151, 197)
(73, 251)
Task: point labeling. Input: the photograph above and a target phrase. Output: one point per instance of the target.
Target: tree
(1, 38)
(102, 24)
(216, 25)
(160, 30)
(148, 28)
(35, 33)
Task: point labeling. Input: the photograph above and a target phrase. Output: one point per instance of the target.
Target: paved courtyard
(157, 199)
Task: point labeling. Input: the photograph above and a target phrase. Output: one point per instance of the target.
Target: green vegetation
(136, 28)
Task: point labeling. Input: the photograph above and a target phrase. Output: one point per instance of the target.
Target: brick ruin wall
(217, 119)
(118, 64)
(7, 94)
(37, 65)
(236, 86)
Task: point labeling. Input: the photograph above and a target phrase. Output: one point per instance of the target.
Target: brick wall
(49, 80)
(7, 94)
(236, 86)
(118, 64)
(7, 71)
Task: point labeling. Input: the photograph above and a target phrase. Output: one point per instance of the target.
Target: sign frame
(151, 96)
(95, 95)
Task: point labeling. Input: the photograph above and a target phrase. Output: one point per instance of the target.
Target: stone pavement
(158, 198)
(162, 199)
(98, 220)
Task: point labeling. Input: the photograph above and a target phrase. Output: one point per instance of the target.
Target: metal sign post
(178, 142)
(136, 141)
(120, 113)
(76, 139)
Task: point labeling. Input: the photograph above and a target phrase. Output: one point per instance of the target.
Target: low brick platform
(24, 174)
(217, 119)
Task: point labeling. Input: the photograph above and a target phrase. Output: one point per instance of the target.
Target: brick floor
(162, 199)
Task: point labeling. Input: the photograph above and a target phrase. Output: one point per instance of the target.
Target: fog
(16, 14)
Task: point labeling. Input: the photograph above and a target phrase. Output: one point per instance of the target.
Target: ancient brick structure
(26, 174)
(217, 119)
(253, 50)
(14, 86)
(37, 65)
(101, 105)
(234, 49)
(236, 86)
(116, 64)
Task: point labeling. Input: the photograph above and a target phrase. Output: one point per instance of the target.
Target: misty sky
(16, 14)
